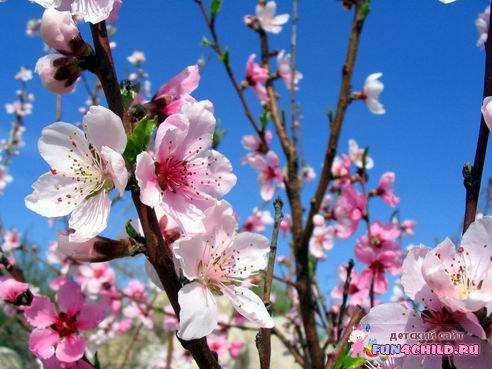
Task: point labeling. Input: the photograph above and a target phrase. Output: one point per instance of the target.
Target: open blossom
(257, 76)
(19, 108)
(270, 174)
(285, 72)
(349, 209)
(385, 189)
(258, 221)
(85, 167)
(482, 24)
(173, 95)
(11, 240)
(255, 145)
(270, 22)
(321, 241)
(137, 58)
(59, 31)
(57, 333)
(307, 173)
(93, 278)
(460, 277)
(219, 262)
(356, 155)
(24, 75)
(373, 87)
(93, 11)
(183, 176)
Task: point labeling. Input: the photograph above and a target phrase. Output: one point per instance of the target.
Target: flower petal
(90, 316)
(70, 349)
(249, 305)
(70, 299)
(250, 250)
(191, 252)
(198, 315)
(150, 192)
(115, 165)
(104, 128)
(42, 342)
(90, 218)
(41, 313)
(93, 11)
(183, 83)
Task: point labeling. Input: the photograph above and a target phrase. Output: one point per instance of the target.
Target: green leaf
(215, 6)
(207, 42)
(347, 362)
(130, 230)
(224, 57)
(364, 157)
(139, 139)
(97, 364)
(264, 118)
(366, 9)
(312, 264)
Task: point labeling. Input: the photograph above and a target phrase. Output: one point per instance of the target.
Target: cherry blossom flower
(10, 289)
(270, 175)
(137, 58)
(349, 209)
(219, 262)
(184, 177)
(482, 24)
(18, 108)
(58, 73)
(373, 87)
(341, 170)
(255, 145)
(24, 75)
(5, 178)
(54, 363)
(58, 333)
(11, 240)
(84, 169)
(487, 111)
(321, 241)
(257, 76)
(95, 277)
(285, 72)
(59, 31)
(307, 173)
(460, 278)
(356, 155)
(407, 227)
(385, 189)
(258, 221)
(286, 224)
(357, 292)
(92, 11)
(270, 22)
(173, 95)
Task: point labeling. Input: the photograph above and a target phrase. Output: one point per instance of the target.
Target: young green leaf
(139, 139)
(215, 6)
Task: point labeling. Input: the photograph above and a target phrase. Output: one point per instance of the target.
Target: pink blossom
(357, 292)
(11, 240)
(93, 11)
(356, 155)
(407, 227)
(85, 167)
(385, 189)
(235, 348)
(137, 58)
(341, 170)
(482, 24)
(321, 241)
(59, 31)
(10, 289)
(257, 76)
(270, 174)
(270, 22)
(184, 176)
(5, 178)
(258, 221)
(54, 363)
(58, 333)
(19, 108)
(460, 277)
(24, 75)
(170, 323)
(173, 95)
(349, 209)
(286, 224)
(285, 72)
(255, 145)
(219, 260)
(373, 87)
(58, 73)
(308, 174)
(96, 277)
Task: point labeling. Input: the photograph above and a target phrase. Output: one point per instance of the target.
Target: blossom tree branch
(473, 173)
(158, 252)
(264, 336)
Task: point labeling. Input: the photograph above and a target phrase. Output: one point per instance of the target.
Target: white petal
(190, 252)
(487, 111)
(115, 165)
(93, 11)
(62, 143)
(104, 128)
(150, 193)
(249, 305)
(90, 218)
(198, 315)
(477, 248)
(149, 268)
(54, 196)
(250, 250)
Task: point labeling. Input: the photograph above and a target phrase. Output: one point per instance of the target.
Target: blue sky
(433, 75)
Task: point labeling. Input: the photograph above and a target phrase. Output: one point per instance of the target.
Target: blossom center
(172, 175)
(65, 325)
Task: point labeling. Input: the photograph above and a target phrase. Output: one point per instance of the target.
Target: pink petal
(183, 83)
(70, 349)
(150, 193)
(42, 342)
(70, 298)
(41, 313)
(90, 316)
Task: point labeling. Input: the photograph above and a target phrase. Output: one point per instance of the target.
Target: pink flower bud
(59, 31)
(58, 73)
(10, 290)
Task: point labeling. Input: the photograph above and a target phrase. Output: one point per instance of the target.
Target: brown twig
(473, 174)
(158, 252)
(357, 315)
(346, 287)
(264, 336)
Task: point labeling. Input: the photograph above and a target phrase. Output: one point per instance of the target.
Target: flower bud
(59, 31)
(58, 73)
